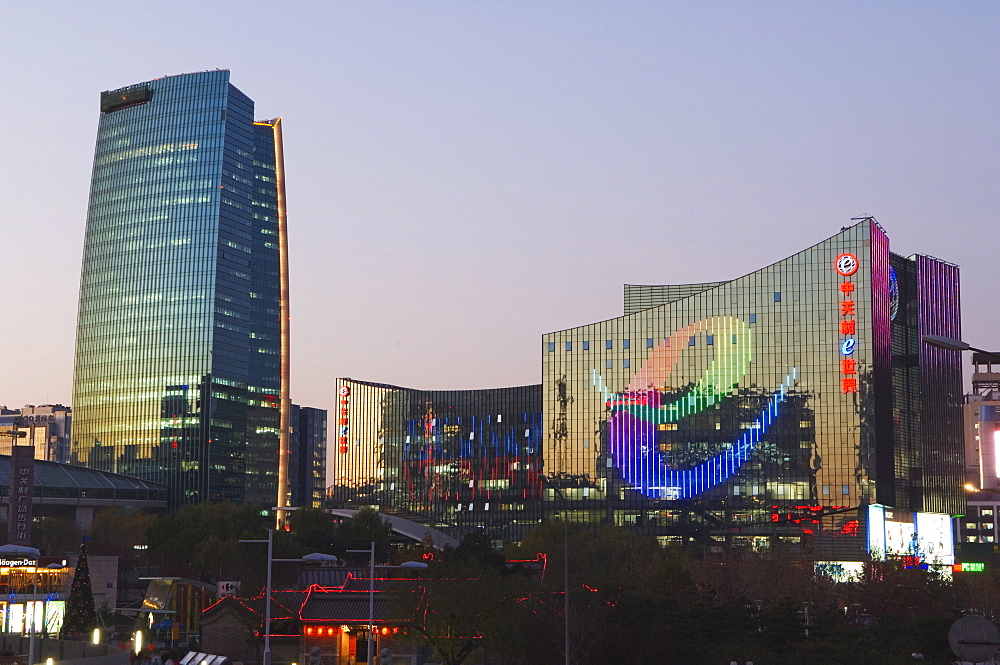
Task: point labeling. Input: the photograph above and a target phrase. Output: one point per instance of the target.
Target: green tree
(366, 526)
(202, 541)
(313, 530)
(115, 532)
(55, 536)
(462, 607)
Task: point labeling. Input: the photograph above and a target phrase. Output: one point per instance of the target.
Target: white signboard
(229, 588)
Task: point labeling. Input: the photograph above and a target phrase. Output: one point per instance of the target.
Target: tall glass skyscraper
(181, 368)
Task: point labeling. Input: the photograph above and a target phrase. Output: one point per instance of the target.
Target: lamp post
(565, 522)
(33, 605)
(32, 554)
(267, 590)
(952, 344)
(267, 597)
(371, 600)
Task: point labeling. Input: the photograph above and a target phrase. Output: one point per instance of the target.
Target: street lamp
(565, 522)
(952, 344)
(30, 606)
(267, 597)
(316, 556)
(407, 565)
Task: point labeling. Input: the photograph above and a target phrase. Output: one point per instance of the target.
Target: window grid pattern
(166, 364)
(449, 458)
(620, 436)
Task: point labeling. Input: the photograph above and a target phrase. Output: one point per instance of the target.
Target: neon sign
(969, 567)
(847, 265)
(345, 392)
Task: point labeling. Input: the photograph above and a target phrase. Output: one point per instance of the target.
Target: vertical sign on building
(22, 483)
(345, 392)
(847, 265)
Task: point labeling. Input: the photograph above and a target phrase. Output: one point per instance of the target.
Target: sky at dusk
(463, 177)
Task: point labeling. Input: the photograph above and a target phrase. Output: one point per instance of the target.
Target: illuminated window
(845, 490)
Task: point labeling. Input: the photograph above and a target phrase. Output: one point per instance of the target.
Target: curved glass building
(774, 404)
(793, 405)
(459, 459)
(182, 338)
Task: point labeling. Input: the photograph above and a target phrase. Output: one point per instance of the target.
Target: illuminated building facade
(445, 458)
(773, 404)
(181, 368)
(47, 427)
(777, 406)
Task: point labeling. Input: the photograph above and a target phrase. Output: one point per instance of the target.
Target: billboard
(926, 537)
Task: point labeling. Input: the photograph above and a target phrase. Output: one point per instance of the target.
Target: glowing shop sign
(969, 567)
(847, 265)
(345, 392)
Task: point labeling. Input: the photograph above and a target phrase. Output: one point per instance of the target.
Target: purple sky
(465, 176)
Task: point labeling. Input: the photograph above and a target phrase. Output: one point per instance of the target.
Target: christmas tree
(81, 618)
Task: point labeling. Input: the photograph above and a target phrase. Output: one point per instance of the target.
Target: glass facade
(180, 369)
(307, 457)
(772, 405)
(452, 459)
(775, 407)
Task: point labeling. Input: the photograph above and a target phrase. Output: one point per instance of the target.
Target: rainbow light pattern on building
(639, 409)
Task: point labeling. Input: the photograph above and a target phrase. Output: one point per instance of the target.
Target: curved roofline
(843, 229)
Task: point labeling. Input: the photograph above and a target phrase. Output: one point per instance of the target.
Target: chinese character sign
(22, 483)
